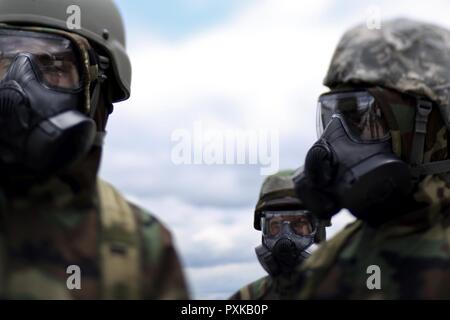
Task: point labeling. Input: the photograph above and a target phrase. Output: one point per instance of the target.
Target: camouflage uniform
(413, 250)
(122, 250)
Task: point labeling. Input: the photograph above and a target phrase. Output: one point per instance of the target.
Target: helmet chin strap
(98, 67)
(418, 168)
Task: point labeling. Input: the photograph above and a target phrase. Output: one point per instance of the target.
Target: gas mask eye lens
(45, 59)
(298, 221)
(359, 111)
(301, 226)
(55, 56)
(274, 227)
(59, 71)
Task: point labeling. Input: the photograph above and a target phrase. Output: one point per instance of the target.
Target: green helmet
(101, 24)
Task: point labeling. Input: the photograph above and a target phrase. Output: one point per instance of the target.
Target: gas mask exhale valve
(42, 128)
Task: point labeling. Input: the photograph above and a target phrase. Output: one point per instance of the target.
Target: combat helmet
(101, 24)
(412, 58)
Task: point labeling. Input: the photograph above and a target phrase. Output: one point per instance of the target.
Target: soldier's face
(299, 224)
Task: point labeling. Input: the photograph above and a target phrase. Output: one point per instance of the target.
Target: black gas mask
(286, 237)
(353, 165)
(42, 124)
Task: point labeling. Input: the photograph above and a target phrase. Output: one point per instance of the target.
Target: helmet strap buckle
(423, 111)
(418, 168)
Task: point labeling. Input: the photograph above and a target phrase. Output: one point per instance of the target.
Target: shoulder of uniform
(309, 273)
(156, 239)
(150, 228)
(253, 291)
(330, 249)
(144, 217)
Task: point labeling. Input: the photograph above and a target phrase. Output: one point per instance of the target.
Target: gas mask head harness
(49, 90)
(357, 164)
(286, 236)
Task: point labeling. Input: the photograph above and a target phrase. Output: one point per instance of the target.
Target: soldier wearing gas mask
(383, 154)
(288, 231)
(57, 219)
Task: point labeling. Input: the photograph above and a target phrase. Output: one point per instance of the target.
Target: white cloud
(207, 235)
(258, 70)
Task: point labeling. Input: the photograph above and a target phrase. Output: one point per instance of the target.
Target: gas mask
(353, 165)
(286, 235)
(43, 122)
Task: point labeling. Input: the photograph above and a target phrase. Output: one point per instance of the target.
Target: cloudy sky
(230, 65)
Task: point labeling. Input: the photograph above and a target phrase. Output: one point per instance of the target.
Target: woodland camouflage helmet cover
(101, 24)
(404, 55)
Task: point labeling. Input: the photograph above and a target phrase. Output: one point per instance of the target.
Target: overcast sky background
(231, 64)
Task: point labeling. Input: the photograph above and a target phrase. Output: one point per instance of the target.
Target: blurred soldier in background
(383, 154)
(288, 230)
(57, 89)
